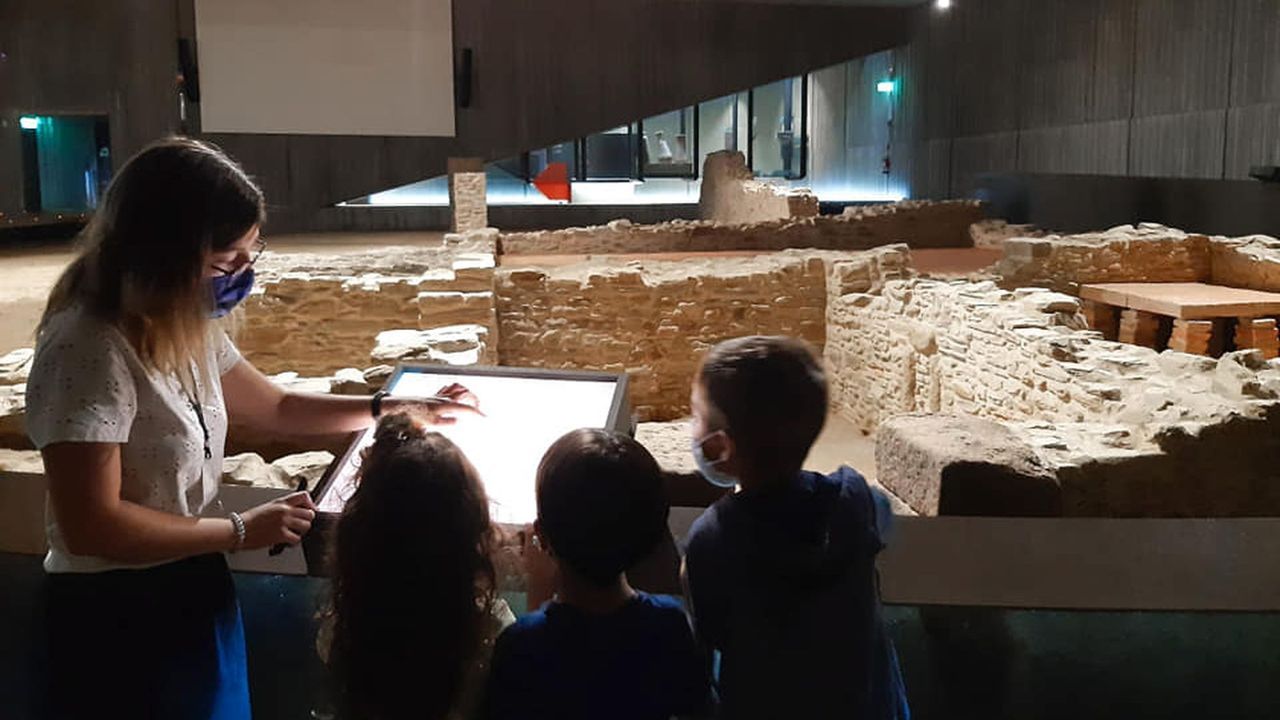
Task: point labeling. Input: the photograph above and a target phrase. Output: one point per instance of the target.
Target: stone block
(956, 465)
(436, 309)
(450, 345)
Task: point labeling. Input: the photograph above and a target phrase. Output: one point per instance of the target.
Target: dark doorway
(66, 162)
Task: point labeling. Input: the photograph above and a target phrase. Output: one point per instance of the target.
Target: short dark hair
(771, 394)
(601, 505)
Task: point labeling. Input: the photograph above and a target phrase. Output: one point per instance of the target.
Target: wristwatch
(375, 403)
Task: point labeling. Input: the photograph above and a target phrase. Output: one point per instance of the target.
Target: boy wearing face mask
(781, 574)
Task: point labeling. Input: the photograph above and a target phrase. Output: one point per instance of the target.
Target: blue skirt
(165, 642)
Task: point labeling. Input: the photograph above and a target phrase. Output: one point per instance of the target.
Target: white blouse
(88, 385)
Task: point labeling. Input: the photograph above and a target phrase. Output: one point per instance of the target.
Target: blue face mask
(708, 467)
(229, 290)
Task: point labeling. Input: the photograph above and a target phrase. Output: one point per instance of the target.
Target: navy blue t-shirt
(639, 661)
(782, 583)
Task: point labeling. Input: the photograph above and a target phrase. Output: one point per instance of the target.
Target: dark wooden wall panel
(935, 76)
(1092, 148)
(1255, 65)
(1057, 57)
(1162, 88)
(1189, 145)
(987, 67)
(975, 155)
(1115, 54)
(1184, 55)
(932, 168)
(1253, 138)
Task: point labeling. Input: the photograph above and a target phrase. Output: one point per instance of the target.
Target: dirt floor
(28, 271)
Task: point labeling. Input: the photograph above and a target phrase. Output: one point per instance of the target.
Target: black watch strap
(375, 403)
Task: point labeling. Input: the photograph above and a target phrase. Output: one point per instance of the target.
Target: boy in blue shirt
(600, 649)
(781, 574)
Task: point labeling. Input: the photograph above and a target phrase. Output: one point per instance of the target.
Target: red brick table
(1201, 314)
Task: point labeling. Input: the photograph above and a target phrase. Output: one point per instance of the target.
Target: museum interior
(1033, 244)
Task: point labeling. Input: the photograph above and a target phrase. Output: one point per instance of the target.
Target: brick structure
(1101, 317)
(1192, 336)
(1139, 328)
(1259, 333)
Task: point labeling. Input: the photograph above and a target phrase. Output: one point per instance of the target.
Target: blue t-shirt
(639, 661)
(783, 584)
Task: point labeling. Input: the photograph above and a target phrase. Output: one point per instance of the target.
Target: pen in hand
(280, 547)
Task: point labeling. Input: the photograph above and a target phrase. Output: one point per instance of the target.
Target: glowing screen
(522, 417)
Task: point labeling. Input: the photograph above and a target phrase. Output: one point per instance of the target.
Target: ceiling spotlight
(942, 4)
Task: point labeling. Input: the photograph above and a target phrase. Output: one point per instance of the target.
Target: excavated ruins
(1006, 394)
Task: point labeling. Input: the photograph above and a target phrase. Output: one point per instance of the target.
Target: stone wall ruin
(923, 224)
(987, 397)
(730, 193)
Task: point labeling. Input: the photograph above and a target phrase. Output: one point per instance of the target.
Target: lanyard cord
(199, 411)
(208, 454)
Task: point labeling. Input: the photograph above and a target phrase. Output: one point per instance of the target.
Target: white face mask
(708, 467)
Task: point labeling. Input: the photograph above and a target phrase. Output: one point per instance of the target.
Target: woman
(130, 394)
(415, 608)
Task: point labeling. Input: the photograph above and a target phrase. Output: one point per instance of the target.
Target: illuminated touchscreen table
(525, 410)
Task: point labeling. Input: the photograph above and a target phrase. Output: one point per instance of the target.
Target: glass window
(611, 155)
(505, 180)
(565, 152)
(777, 129)
(722, 125)
(666, 148)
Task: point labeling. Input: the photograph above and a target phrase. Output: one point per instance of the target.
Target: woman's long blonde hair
(141, 265)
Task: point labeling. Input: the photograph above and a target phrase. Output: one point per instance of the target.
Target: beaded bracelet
(237, 523)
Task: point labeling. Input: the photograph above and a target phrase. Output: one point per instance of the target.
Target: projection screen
(326, 67)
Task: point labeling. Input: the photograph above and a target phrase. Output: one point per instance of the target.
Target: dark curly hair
(413, 576)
